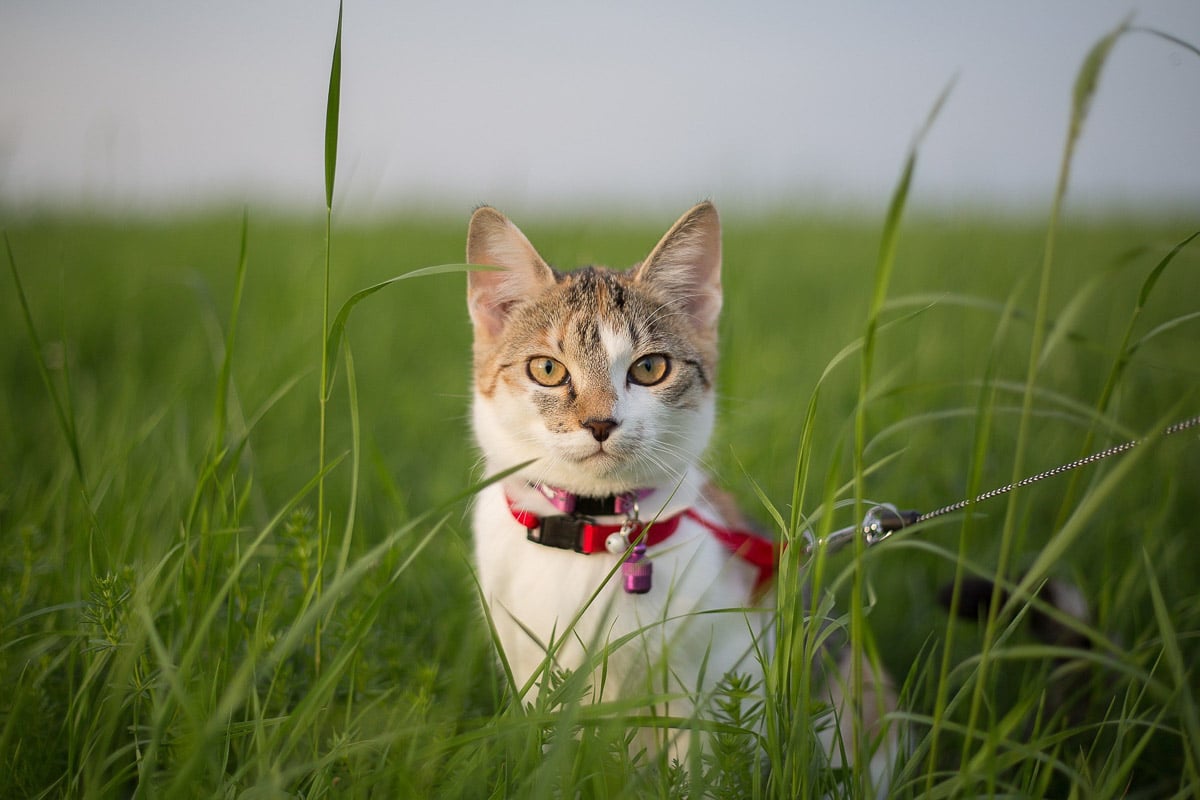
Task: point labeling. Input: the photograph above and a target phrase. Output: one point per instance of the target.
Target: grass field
(160, 616)
(191, 606)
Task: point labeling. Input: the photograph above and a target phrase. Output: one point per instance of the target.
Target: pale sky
(148, 105)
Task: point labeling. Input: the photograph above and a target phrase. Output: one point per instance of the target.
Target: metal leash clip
(880, 522)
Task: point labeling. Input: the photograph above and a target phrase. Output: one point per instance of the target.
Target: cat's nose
(600, 428)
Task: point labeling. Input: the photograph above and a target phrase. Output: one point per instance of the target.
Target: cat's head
(604, 377)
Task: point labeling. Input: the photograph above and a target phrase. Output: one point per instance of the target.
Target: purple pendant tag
(637, 571)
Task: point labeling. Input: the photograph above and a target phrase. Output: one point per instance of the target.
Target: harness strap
(748, 546)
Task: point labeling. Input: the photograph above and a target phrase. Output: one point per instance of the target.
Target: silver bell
(616, 543)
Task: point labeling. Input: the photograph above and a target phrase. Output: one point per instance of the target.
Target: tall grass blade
(223, 380)
(1084, 90)
(985, 411)
(1126, 351)
(332, 110)
(885, 261)
(1124, 356)
(1167, 37)
(337, 331)
(332, 113)
(1182, 674)
(66, 422)
(883, 271)
(1160, 329)
(355, 459)
(1086, 83)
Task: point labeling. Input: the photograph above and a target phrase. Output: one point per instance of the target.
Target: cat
(596, 387)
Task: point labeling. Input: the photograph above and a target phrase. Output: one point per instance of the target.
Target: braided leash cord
(1050, 473)
(885, 519)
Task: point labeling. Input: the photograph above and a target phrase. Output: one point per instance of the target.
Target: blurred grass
(132, 315)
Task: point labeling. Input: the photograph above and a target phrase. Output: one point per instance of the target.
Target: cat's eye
(547, 371)
(649, 370)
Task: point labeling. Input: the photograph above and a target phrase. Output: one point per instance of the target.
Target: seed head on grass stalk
(1085, 87)
(332, 334)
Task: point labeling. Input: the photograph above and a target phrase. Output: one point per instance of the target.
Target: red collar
(584, 535)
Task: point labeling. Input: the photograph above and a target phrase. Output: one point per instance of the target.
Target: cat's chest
(537, 594)
(540, 583)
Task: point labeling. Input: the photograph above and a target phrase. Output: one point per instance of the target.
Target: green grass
(157, 615)
(234, 550)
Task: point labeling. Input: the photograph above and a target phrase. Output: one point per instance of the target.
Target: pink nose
(600, 428)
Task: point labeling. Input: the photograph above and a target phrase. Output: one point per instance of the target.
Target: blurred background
(135, 105)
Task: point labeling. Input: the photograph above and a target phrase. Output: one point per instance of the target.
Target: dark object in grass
(1072, 677)
(1066, 598)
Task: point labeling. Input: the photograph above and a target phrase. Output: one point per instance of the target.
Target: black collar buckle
(564, 531)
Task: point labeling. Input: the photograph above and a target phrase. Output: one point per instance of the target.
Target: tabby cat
(601, 550)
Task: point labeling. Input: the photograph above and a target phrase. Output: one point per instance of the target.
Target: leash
(576, 529)
(884, 519)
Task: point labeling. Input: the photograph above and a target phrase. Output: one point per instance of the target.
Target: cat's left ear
(493, 240)
(686, 265)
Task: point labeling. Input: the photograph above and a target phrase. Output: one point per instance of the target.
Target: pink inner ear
(493, 240)
(686, 264)
(486, 301)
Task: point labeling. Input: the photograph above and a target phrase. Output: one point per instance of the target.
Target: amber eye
(649, 370)
(547, 371)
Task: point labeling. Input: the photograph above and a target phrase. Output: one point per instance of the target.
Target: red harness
(570, 532)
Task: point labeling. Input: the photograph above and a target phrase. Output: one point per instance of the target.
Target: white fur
(538, 590)
(699, 621)
(654, 446)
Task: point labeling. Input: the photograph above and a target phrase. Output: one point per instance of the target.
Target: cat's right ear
(494, 241)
